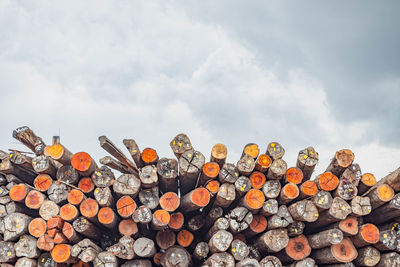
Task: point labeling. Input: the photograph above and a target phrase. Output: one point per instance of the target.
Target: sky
(301, 73)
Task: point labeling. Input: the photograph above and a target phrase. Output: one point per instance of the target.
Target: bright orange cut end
(309, 188)
(37, 227)
(385, 192)
(264, 160)
(345, 157)
(211, 169)
(126, 206)
(370, 233)
(298, 248)
(75, 196)
(213, 186)
(68, 230)
(149, 155)
(201, 197)
(68, 212)
(169, 201)
(255, 198)
(257, 180)
(89, 208)
(259, 223)
(81, 161)
(55, 222)
(368, 179)
(127, 227)
(176, 221)
(328, 181)
(59, 238)
(61, 253)
(185, 238)
(291, 191)
(162, 216)
(86, 184)
(252, 150)
(294, 175)
(106, 215)
(45, 242)
(157, 258)
(18, 192)
(42, 182)
(34, 199)
(344, 251)
(55, 151)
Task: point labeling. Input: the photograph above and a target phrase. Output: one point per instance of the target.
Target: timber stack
(60, 208)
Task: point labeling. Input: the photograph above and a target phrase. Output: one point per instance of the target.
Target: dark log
(239, 219)
(254, 252)
(7, 252)
(367, 256)
(352, 174)
(86, 228)
(270, 261)
(103, 177)
(220, 241)
(165, 239)
(360, 206)
(322, 200)
(218, 154)
(180, 144)
(127, 184)
(58, 192)
(239, 250)
(275, 150)
(339, 253)
(190, 164)
(142, 215)
(196, 223)
(115, 164)
(325, 238)
(277, 169)
(27, 137)
(245, 165)
(388, 240)
(296, 228)
(58, 152)
(45, 260)
(167, 170)
(228, 173)
(176, 256)
(201, 251)
(348, 226)
(85, 250)
(144, 247)
(150, 197)
(134, 150)
(9, 168)
(306, 161)
(272, 189)
(108, 146)
(105, 259)
(368, 180)
(273, 241)
(270, 207)
(103, 196)
(338, 211)
(22, 160)
(281, 219)
(389, 259)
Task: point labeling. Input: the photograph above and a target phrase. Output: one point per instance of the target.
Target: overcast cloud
(300, 73)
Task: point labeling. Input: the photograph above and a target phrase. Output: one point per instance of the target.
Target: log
(295, 228)
(367, 256)
(194, 200)
(22, 160)
(48, 209)
(343, 159)
(83, 163)
(360, 206)
(196, 223)
(293, 175)
(160, 220)
(58, 192)
(270, 261)
(15, 225)
(176, 257)
(26, 247)
(239, 219)
(169, 201)
(144, 247)
(257, 180)
(387, 240)
(104, 196)
(325, 238)
(220, 241)
(275, 150)
(27, 137)
(253, 200)
(54, 225)
(352, 174)
(44, 165)
(367, 234)
(304, 211)
(273, 240)
(7, 252)
(239, 250)
(201, 251)
(327, 181)
(111, 148)
(126, 206)
(68, 174)
(103, 177)
(380, 195)
(149, 156)
(322, 200)
(70, 233)
(220, 224)
(85, 250)
(25, 262)
(308, 189)
(385, 212)
(338, 253)
(338, 211)
(248, 263)
(306, 161)
(176, 221)
(245, 165)
(288, 193)
(297, 249)
(257, 225)
(142, 215)
(277, 169)
(45, 260)
(184, 238)
(19, 192)
(137, 263)
(37, 227)
(251, 149)
(389, 259)
(190, 164)
(212, 216)
(270, 207)
(210, 171)
(272, 188)
(148, 176)
(89, 209)
(105, 259)
(281, 219)
(263, 162)
(254, 252)
(86, 228)
(307, 262)
(167, 170)
(348, 226)
(150, 197)
(346, 190)
(42, 182)
(213, 187)
(107, 217)
(165, 239)
(128, 227)
(58, 152)
(228, 173)
(61, 253)
(86, 185)
(115, 164)
(368, 180)
(134, 151)
(9, 168)
(218, 154)
(127, 184)
(180, 144)
(75, 197)
(45, 242)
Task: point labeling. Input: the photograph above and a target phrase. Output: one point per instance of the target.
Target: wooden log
(105, 259)
(111, 148)
(338, 253)
(86, 185)
(165, 239)
(343, 159)
(196, 223)
(307, 262)
(126, 206)
(368, 180)
(149, 156)
(148, 176)
(83, 163)
(160, 220)
(184, 238)
(144, 247)
(367, 234)
(293, 175)
(58, 192)
(180, 144)
(89, 209)
(18, 192)
(128, 227)
(322, 200)
(306, 161)
(220, 224)
(134, 151)
(137, 263)
(212, 216)
(273, 240)
(257, 180)
(107, 217)
(327, 181)
(37, 227)
(194, 200)
(257, 225)
(75, 197)
(220, 241)
(304, 211)
(45, 260)
(176, 221)
(68, 174)
(275, 150)
(348, 226)
(26, 247)
(281, 219)
(385, 212)
(22, 160)
(70, 233)
(115, 164)
(103, 177)
(228, 173)
(270, 207)
(190, 165)
(346, 190)
(251, 149)
(150, 197)
(201, 251)
(253, 200)
(85, 250)
(213, 187)
(297, 249)
(239, 219)
(218, 154)
(387, 240)
(176, 256)
(58, 152)
(25, 262)
(308, 189)
(295, 228)
(167, 170)
(254, 253)
(14, 225)
(86, 228)
(104, 196)
(61, 253)
(7, 252)
(142, 215)
(367, 256)
(127, 184)
(239, 250)
(325, 238)
(245, 165)
(270, 261)
(9, 168)
(338, 211)
(360, 206)
(210, 171)
(352, 174)
(277, 169)
(42, 182)
(27, 137)
(48, 209)
(44, 165)
(45, 242)
(272, 189)
(54, 225)
(380, 195)
(169, 201)
(248, 262)
(262, 163)
(389, 259)
(288, 193)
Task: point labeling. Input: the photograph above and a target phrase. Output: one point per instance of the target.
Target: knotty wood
(27, 137)
(127, 184)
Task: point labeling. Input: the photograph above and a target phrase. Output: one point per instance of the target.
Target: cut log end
(37, 227)
(61, 253)
(298, 248)
(169, 201)
(344, 251)
(126, 206)
(185, 238)
(149, 156)
(89, 208)
(294, 175)
(42, 182)
(254, 199)
(176, 221)
(201, 197)
(257, 179)
(81, 161)
(328, 181)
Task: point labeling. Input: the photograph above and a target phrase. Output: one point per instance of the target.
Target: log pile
(61, 208)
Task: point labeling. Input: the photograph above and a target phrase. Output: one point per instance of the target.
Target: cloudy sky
(325, 74)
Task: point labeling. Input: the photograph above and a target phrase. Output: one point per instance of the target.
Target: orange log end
(176, 221)
(328, 181)
(185, 238)
(170, 201)
(42, 182)
(298, 248)
(68, 212)
(68, 230)
(370, 233)
(344, 251)
(385, 192)
(54, 151)
(126, 206)
(368, 179)
(290, 191)
(201, 197)
(349, 225)
(37, 227)
(86, 184)
(254, 198)
(344, 157)
(213, 186)
(34, 199)
(61, 253)
(258, 224)
(45, 242)
(75, 197)
(309, 188)
(257, 179)
(211, 169)
(18, 192)
(162, 217)
(81, 161)
(59, 238)
(106, 215)
(252, 150)
(127, 227)
(149, 155)
(89, 208)
(264, 161)
(294, 175)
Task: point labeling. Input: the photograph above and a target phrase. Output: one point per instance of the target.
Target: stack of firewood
(59, 208)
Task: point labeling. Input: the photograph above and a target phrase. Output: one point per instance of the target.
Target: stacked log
(60, 208)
